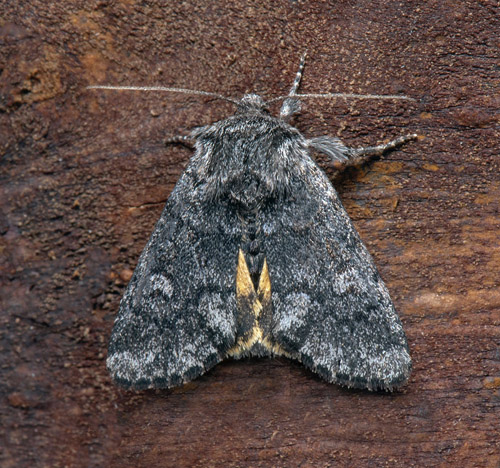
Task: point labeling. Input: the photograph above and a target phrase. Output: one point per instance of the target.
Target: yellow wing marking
(250, 300)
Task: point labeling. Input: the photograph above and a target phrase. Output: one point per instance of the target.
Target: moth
(254, 255)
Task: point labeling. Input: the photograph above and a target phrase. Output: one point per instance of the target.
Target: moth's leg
(342, 156)
(361, 155)
(291, 105)
(185, 140)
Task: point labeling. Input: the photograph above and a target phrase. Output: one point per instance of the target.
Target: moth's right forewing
(177, 318)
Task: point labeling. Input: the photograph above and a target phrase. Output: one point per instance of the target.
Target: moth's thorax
(248, 157)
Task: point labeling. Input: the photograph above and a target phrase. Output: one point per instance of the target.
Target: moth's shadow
(250, 379)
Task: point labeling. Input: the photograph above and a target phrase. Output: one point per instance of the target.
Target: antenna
(291, 104)
(164, 89)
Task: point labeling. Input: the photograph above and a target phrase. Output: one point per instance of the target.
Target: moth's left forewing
(331, 309)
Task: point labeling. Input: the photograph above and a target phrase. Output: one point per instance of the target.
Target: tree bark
(85, 174)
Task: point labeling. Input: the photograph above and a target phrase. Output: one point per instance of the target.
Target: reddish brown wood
(85, 174)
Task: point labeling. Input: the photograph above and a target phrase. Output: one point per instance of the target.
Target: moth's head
(251, 103)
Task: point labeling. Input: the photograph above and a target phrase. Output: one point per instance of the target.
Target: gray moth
(254, 255)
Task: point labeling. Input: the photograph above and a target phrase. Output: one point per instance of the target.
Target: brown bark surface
(84, 176)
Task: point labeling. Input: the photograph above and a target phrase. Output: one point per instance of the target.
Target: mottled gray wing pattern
(331, 309)
(177, 317)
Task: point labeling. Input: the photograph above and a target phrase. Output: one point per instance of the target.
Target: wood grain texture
(84, 176)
